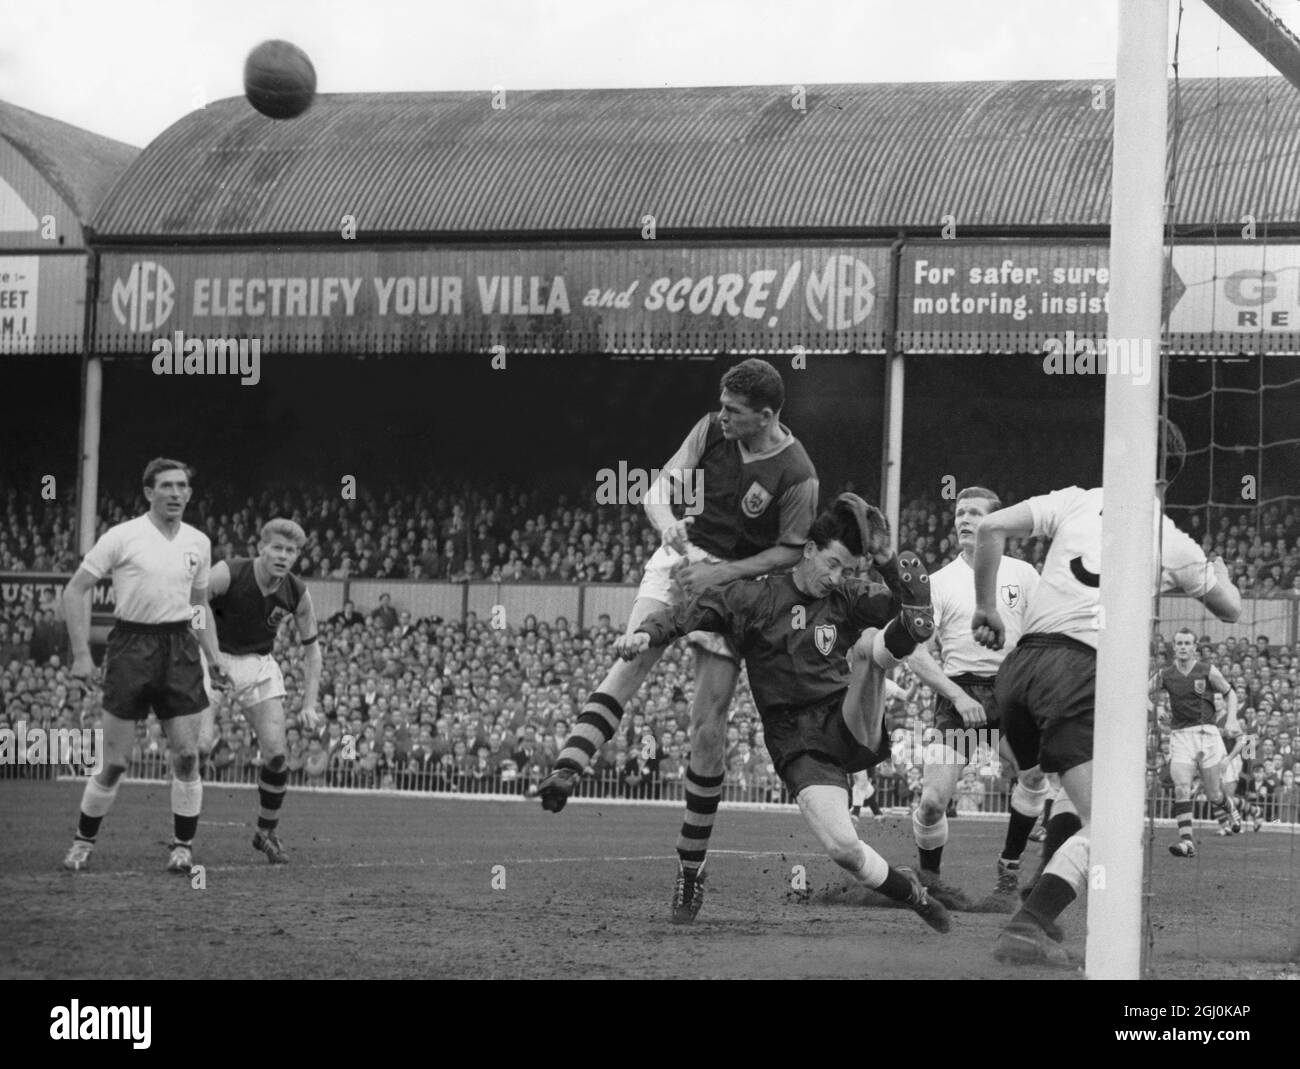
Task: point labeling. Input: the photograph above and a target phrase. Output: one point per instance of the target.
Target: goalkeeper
(822, 719)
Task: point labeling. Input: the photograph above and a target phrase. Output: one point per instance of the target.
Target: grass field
(402, 887)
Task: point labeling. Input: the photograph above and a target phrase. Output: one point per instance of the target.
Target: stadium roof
(998, 157)
(78, 166)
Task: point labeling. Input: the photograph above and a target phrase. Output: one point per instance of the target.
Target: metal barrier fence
(892, 792)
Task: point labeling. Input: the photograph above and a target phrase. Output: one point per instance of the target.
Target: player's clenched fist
(219, 675)
(987, 628)
(83, 666)
(630, 647)
(694, 579)
(971, 711)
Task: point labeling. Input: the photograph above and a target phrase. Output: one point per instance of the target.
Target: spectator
(385, 613)
(347, 616)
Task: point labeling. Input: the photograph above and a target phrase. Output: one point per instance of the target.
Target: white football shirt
(152, 574)
(952, 591)
(1068, 600)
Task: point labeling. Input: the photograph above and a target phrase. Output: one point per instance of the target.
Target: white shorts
(1201, 746)
(658, 583)
(254, 678)
(1231, 771)
(863, 788)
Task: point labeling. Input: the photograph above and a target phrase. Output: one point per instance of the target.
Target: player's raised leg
(101, 788)
(602, 712)
(715, 683)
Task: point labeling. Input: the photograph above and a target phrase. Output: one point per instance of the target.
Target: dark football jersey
(741, 513)
(1191, 701)
(247, 619)
(795, 646)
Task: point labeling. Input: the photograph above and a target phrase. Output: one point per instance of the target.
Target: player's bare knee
(932, 807)
(709, 736)
(846, 852)
(276, 761)
(185, 764)
(110, 774)
(1032, 779)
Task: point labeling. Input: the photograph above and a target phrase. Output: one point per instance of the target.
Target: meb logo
(143, 300)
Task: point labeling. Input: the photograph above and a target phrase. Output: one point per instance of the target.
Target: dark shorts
(1047, 695)
(813, 746)
(153, 667)
(946, 717)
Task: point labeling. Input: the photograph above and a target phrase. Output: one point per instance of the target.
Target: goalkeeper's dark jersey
(795, 646)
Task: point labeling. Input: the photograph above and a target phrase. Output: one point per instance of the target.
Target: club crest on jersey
(1198, 685)
(1011, 595)
(276, 617)
(191, 561)
(824, 637)
(755, 501)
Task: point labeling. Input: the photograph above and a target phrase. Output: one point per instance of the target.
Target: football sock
(1059, 830)
(596, 725)
(930, 841)
(271, 782)
(187, 802)
(1060, 884)
(96, 800)
(1183, 814)
(897, 639)
(1026, 804)
(871, 870)
(873, 805)
(896, 886)
(1049, 899)
(702, 796)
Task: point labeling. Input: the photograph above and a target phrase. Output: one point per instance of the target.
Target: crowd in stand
(450, 532)
(440, 705)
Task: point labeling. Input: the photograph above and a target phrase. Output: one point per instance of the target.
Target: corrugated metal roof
(81, 166)
(993, 155)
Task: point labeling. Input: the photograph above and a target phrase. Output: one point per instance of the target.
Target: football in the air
(279, 80)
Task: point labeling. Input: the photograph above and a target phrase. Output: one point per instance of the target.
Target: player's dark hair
(836, 524)
(160, 464)
(994, 501)
(1185, 631)
(758, 382)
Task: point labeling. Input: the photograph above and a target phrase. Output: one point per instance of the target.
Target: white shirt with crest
(1069, 596)
(152, 574)
(952, 592)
